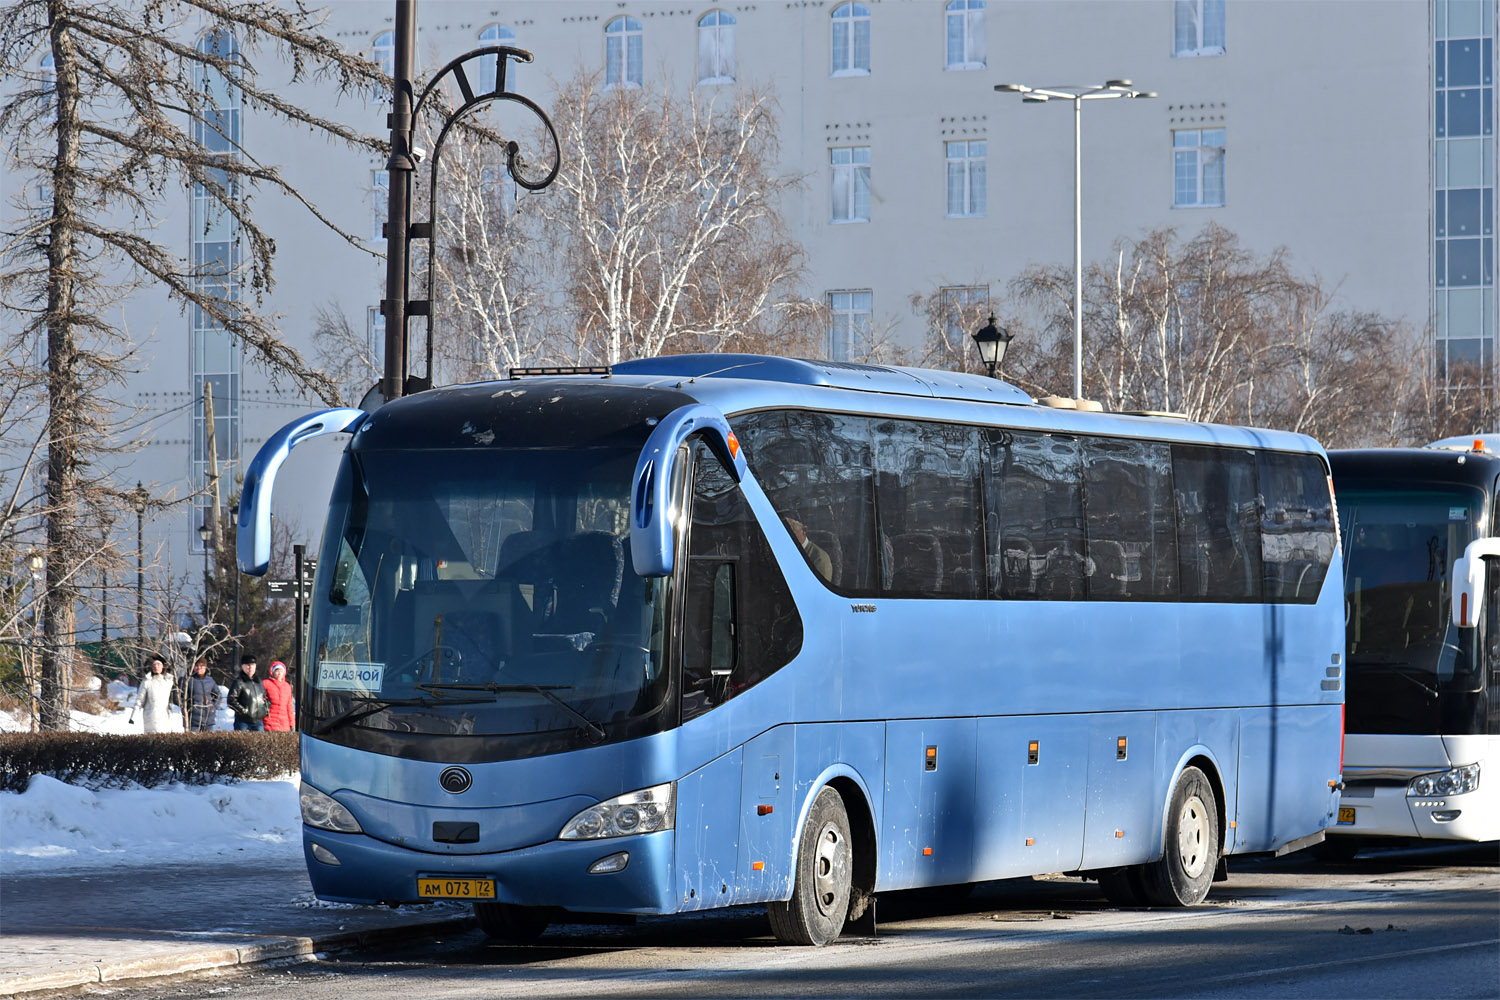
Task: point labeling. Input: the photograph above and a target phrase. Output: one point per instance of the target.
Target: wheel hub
(1193, 834)
(830, 868)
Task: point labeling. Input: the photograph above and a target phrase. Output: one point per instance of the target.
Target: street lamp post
(1077, 94)
(139, 502)
(992, 341)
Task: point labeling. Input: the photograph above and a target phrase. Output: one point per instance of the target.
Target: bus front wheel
(1191, 853)
(825, 865)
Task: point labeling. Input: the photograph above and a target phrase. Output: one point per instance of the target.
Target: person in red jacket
(282, 718)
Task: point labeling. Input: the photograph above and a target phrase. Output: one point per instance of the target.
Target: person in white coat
(153, 696)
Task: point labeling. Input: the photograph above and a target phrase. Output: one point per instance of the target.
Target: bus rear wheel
(508, 922)
(825, 864)
(1191, 853)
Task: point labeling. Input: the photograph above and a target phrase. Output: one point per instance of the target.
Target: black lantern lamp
(992, 341)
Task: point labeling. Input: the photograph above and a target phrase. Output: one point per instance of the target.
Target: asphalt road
(1404, 924)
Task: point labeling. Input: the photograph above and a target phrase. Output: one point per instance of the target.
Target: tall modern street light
(1076, 94)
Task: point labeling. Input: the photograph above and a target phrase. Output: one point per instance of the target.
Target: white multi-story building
(1358, 136)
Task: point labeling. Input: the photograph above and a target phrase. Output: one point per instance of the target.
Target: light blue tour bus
(709, 630)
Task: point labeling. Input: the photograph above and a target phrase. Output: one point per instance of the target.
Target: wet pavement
(98, 925)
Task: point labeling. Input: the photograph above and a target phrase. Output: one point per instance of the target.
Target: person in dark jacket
(202, 698)
(248, 699)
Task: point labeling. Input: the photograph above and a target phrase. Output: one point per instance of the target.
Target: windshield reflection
(1407, 661)
(485, 592)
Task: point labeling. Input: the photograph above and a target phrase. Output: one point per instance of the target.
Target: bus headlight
(645, 811)
(324, 812)
(1452, 782)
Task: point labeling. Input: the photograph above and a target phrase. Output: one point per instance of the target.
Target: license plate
(1346, 815)
(456, 888)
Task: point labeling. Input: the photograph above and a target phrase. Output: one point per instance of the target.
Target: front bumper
(1387, 811)
(550, 874)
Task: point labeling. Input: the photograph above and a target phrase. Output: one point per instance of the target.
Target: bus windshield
(484, 592)
(1405, 656)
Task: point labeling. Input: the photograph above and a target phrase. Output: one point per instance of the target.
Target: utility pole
(400, 168)
(216, 529)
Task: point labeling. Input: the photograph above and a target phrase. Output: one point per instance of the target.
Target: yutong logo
(455, 780)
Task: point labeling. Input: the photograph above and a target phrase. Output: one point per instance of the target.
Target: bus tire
(509, 922)
(822, 882)
(1190, 853)
(1122, 886)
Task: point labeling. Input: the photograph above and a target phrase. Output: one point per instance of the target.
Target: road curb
(199, 958)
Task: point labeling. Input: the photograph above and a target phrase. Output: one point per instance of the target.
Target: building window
(496, 34)
(849, 330)
(383, 52)
(849, 188)
(1198, 28)
(622, 52)
(965, 24)
(964, 310)
(716, 47)
(851, 40)
(1198, 167)
(966, 178)
(1464, 200)
(380, 203)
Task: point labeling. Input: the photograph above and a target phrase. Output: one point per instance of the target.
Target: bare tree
(668, 213)
(346, 355)
(1207, 328)
(131, 112)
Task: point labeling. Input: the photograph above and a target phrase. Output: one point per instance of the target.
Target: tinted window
(1296, 528)
(927, 502)
(1218, 523)
(740, 624)
(1034, 516)
(1132, 535)
(818, 471)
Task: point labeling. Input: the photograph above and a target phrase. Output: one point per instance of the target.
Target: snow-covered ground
(125, 720)
(53, 825)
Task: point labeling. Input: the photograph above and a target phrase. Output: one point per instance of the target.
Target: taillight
(1343, 713)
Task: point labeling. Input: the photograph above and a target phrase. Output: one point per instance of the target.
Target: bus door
(739, 625)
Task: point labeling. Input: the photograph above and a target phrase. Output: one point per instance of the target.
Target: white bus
(1422, 743)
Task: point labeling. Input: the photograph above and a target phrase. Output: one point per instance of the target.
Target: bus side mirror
(1468, 581)
(253, 529)
(651, 535)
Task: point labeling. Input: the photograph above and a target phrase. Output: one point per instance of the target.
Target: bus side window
(817, 469)
(928, 498)
(1033, 488)
(708, 660)
(1296, 532)
(1218, 523)
(740, 624)
(1131, 531)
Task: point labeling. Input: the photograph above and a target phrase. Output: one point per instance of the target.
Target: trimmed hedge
(101, 760)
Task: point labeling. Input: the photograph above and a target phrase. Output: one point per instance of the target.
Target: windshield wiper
(589, 726)
(1396, 667)
(363, 706)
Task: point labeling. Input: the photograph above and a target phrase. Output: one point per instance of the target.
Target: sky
(53, 825)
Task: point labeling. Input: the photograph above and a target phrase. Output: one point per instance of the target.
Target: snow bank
(55, 825)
